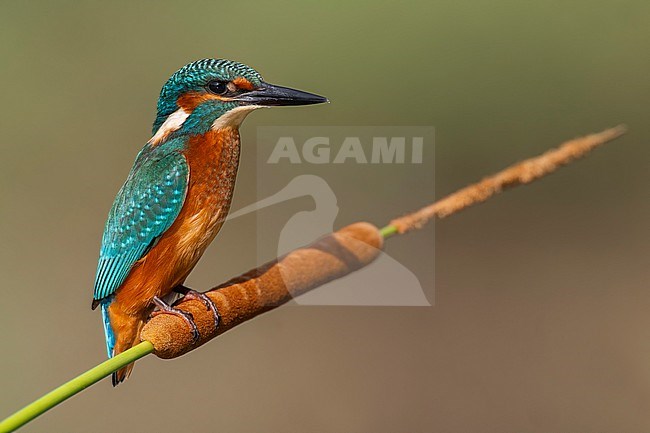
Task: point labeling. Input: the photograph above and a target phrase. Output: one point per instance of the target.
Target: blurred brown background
(540, 320)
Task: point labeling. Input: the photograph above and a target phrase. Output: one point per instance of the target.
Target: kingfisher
(177, 196)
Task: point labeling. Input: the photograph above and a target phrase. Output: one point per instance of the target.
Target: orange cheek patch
(243, 83)
(190, 101)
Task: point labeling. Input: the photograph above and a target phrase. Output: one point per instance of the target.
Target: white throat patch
(234, 117)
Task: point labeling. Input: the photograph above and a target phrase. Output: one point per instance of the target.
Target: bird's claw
(164, 308)
(190, 294)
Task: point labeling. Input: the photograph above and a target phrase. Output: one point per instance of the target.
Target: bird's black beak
(269, 95)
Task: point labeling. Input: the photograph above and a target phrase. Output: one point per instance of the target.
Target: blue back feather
(145, 207)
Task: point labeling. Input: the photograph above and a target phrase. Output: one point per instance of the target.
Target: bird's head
(217, 93)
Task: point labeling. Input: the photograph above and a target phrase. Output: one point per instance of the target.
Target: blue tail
(108, 329)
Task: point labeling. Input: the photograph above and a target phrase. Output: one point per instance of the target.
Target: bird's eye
(218, 87)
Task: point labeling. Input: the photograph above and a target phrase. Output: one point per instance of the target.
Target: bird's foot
(189, 294)
(164, 308)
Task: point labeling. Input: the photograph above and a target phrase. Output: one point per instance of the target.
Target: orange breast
(213, 159)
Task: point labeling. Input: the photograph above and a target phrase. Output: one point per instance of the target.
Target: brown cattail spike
(518, 174)
(267, 287)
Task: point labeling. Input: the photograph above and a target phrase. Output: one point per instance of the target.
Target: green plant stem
(79, 383)
(388, 231)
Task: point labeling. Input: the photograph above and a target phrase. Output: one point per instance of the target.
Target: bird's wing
(146, 206)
